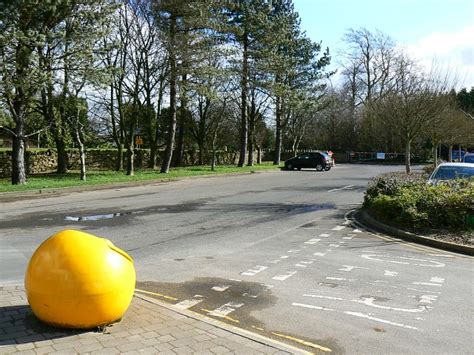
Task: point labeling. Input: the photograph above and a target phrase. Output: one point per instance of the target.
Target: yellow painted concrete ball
(77, 280)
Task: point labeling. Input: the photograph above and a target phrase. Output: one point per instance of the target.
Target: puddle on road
(97, 217)
(215, 292)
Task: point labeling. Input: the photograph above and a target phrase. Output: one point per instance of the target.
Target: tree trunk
(62, 154)
(82, 153)
(165, 167)
(18, 155)
(277, 156)
(407, 156)
(130, 160)
(244, 83)
(259, 155)
(450, 153)
(182, 123)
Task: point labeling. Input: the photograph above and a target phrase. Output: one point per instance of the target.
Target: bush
(411, 202)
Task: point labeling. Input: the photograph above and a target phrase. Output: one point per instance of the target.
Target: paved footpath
(148, 326)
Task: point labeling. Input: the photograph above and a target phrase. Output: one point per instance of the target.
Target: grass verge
(71, 179)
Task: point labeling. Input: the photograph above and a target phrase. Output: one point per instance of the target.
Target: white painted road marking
(304, 263)
(224, 310)
(186, 304)
(348, 187)
(369, 301)
(390, 273)
(312, 307)
(366, 316)
(428, 298)
(324, 235)
(324, 297)
(356, 231)
(319, 254)
(221, 288)
(312, 241)
(347, 238)
(427, 284)
(284, 276)
(338, 228)
(432, 263)
(254, 271)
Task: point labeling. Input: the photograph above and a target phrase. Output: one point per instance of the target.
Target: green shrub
(391, 183)
(413, 203)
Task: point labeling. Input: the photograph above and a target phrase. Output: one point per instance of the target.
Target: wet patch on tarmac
(214, 293)
(96, 218)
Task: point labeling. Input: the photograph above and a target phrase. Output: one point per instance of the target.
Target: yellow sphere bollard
(77, 280)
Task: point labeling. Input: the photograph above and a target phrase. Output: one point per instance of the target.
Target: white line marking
(224, 310)
(334, 245)
(186, 304)
(284, 276)
(347, 238)
(312, 241)
(221, 288)
(362, 315)
(341, 188)
(414, 289)
(304, 263)
(428, 298)
(336, 278)
(324, 235)
(324, 297)
(319, 254)
(293, 251)
(369, 301)
(347, 268)
(313, 307)
(236, 280)
(437, 279)
(254, 271)
(390, 273)
(356, 231)
(427, 284)
(284, 257)
(338, 228)
(249, 295)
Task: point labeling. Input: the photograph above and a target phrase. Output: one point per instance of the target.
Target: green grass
(71, 179)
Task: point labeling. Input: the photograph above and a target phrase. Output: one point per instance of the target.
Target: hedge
(408, 200)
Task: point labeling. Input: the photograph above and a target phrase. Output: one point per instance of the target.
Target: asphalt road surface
(275, 252)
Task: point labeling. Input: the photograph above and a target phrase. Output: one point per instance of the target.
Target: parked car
(310, 160)
(450, 171)
(468, 158)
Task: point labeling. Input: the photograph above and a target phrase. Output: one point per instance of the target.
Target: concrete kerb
(226, 327)
(365, 219)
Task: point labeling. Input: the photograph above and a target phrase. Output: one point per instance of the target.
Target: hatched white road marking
(254, 271)
(293, 251)
(221, 288)
(356, 231)
(437, 279)
(336, 278)
(312, 241)
(324, 235)
(338, 228)
(284, 276)
(390, 273)
(334, 245)
(236, 280)
(186, 304)
(225, 309)
(347, 238)
(347, 268)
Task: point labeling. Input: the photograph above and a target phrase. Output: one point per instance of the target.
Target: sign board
(380, 155)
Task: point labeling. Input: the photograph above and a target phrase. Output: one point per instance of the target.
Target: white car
(468, 158)
(450, 171)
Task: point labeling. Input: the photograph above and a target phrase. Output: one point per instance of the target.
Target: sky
(431, 31)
